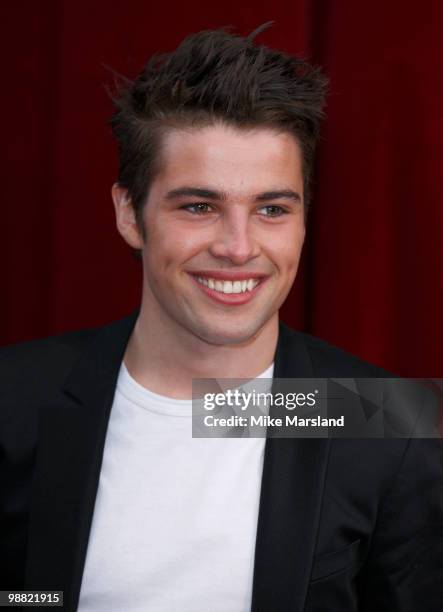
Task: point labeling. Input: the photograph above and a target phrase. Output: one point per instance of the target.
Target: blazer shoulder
(329, 360)
(38, 369)
(76, 339)
(411, 406)
(29, 367)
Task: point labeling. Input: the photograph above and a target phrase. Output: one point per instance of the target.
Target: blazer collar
(103, 359)
(101, 362)
(68, 462)
(292, 359)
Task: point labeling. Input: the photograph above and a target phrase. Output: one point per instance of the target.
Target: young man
(107, 496)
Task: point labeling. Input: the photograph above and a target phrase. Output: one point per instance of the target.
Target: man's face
(225, 226)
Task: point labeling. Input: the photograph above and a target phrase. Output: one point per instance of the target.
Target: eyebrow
(197, 192)
(284, 194)
(210, 194)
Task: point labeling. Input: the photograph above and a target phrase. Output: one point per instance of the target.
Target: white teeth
(227, 286)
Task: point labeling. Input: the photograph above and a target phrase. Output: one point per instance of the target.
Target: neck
(165, 357)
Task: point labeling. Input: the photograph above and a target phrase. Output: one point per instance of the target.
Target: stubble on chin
(238, 334)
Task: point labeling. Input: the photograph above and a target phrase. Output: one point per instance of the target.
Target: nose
(234, 239)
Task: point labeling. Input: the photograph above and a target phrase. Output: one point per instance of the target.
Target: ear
(125, 217)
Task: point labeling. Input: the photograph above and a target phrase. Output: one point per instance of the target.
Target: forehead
(233, 159)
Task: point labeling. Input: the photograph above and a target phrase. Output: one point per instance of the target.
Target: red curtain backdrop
(371, 276)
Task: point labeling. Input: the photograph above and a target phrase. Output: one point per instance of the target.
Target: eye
(199, 208)
(272, 211)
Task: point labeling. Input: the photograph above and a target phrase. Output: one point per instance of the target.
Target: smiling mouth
(245, 285)
(234, 291)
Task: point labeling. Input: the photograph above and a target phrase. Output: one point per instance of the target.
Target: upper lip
(225, 275)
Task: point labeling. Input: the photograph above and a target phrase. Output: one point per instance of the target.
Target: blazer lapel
(69, 455)
(290, 501)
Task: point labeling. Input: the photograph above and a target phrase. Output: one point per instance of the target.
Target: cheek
(286, 250)
(291, 251)
(168, 250)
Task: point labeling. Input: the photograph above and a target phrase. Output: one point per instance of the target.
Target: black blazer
(344, 525)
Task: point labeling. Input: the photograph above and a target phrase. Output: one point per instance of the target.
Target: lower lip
(230, 299)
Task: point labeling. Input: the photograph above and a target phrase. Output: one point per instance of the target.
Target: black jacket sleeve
(404, 569)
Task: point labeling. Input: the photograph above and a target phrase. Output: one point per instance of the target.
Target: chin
(228, 334)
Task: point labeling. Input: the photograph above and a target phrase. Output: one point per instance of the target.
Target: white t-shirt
(175, 518)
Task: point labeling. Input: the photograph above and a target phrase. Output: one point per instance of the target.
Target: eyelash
(189, 207)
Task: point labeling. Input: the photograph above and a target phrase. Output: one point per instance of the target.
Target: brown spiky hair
(214, 77)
